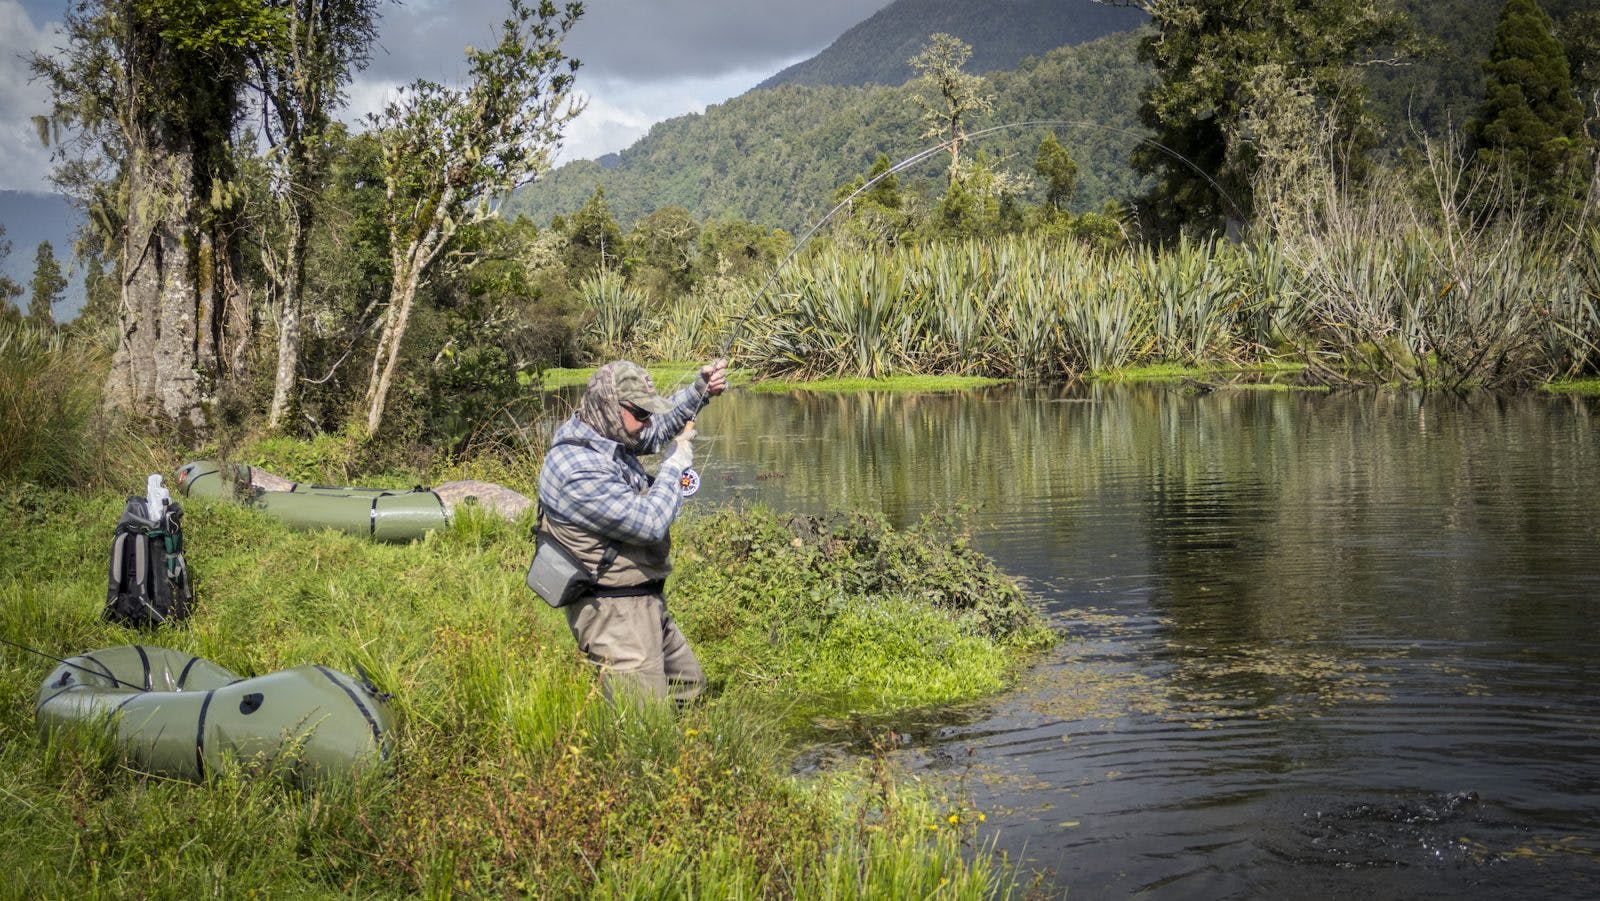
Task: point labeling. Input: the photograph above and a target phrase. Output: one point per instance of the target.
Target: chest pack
(147, 582)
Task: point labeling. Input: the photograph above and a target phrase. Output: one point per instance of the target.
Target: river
(1316, 645)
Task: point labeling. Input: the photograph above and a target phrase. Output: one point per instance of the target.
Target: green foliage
(300, 75)
(1442, 87)
(1019, 307)
(593, 239)
(666, 242)
(777, 156)
(949, 98)
(450, 154)
(1529, 129)
(50, 429)
(207, 26)
(877, 215)
(1059, 171)
(878, 50)
(9, 289)
(151, 94)
(1393, 290)
(1208, 56)
(347, 276)
(1580, 35)
(616, 312)
(744, 248)
(98, 316)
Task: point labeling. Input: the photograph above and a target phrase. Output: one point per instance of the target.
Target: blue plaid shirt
(601, 487)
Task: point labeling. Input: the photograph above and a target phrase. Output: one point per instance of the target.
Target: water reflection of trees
(1258, 516)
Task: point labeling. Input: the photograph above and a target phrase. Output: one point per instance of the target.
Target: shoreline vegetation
(1267, 376)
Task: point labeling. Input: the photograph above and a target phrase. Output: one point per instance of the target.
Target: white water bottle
(155, 497)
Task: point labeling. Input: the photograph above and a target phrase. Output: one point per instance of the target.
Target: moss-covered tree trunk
(155, 371)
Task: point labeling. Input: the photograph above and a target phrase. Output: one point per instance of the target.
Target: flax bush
(51, 428)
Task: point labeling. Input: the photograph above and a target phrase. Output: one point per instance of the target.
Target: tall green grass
(51, 428)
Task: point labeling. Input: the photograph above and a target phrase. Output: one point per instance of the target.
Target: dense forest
(373, 279)
(775, 156)
(770, 154)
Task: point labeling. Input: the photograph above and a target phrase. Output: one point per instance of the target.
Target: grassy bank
(1588, 387)
(512, 775)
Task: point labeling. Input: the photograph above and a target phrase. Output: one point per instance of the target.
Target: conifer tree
(48, 286)
(1529, 128)
(594, 240)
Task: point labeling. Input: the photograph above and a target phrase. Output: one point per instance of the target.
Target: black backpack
(148, 582)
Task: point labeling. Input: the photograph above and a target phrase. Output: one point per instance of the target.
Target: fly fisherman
(599, 502)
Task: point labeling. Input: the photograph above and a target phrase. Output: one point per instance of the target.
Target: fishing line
(75, 666)
(725, 348)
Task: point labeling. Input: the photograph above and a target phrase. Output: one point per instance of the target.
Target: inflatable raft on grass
(383, 514)
(175, 714)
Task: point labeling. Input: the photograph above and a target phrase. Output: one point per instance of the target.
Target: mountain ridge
(877, 50)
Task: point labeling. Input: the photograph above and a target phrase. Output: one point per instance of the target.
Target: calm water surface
(1317, 646)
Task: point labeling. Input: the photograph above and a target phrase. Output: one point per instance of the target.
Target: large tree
(594, 240)
(150, 89)
(1059, 170)
(1209, 57)
(451, 155)
(301, 77)
(1529, 128)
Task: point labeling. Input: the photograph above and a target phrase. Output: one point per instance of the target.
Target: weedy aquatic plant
(846, 613)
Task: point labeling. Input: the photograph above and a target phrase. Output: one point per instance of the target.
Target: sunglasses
(639, 413)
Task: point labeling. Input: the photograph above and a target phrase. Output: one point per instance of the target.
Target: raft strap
(377, 734)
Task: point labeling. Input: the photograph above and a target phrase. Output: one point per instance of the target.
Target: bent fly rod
(691, 481)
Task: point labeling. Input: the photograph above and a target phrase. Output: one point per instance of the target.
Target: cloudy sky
(643, 61)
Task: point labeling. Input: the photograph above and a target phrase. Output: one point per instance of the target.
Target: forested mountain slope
(776, 156)
(1002, 33)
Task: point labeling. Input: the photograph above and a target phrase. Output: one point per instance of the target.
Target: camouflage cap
(634, 387)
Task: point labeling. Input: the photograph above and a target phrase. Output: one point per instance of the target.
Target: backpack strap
(119, 547)
(141, 562)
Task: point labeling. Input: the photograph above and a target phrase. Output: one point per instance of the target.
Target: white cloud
(643, 61)
(621, 111)
(24, 162)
